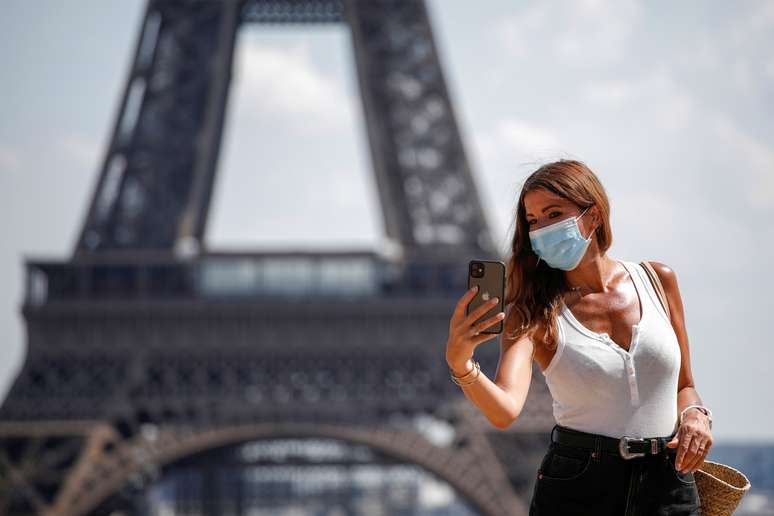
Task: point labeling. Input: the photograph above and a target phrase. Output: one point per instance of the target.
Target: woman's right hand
(463, 338)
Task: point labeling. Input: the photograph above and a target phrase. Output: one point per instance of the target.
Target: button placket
(632, 380)
(630, 371)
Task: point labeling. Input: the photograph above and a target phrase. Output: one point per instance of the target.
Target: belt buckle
(623, 447)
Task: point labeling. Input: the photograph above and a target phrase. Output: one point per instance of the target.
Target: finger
(683, 450)
(704, 452)
(694, 464)
(690, 459)
(680, 449)
(476, 314)
(699, 452)
(702, 457)
(459, 311)
(486, 323)
(483, 337)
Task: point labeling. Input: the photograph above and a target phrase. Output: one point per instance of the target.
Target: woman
(631, 428)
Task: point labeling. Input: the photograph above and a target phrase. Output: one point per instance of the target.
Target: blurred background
(671, 104)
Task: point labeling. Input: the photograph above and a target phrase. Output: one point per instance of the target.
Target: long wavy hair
(534, 289)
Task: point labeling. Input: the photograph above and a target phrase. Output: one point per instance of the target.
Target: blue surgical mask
(561, 245)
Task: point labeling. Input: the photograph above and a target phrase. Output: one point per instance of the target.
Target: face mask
(561, 245)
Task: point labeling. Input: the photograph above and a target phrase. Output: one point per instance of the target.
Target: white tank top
(599, 387)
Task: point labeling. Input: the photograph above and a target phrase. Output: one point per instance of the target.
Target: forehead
(536, 200)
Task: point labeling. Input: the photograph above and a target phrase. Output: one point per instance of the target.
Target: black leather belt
(626, 447)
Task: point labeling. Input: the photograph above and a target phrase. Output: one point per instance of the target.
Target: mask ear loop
(581, 215)
(577, 218)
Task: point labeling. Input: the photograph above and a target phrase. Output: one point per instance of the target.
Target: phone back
(489, 275)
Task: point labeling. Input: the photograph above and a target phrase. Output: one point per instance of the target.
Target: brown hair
(534, 289)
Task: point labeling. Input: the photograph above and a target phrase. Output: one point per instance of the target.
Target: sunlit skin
(606, 302)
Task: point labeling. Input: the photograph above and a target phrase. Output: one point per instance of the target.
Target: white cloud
(667, 225)
(667, 102)
(585, 33)
(674, 110)
(9, 159)
(757, 21)
(514, 31)
(614, 92)
(700, 52)
(525, 139)
(283, 82)
(609, 93)
(743, 76)
(82, 150)
(756, 162)
(484, 146)
(650, 215)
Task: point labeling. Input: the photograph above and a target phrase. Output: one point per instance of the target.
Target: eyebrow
(549, 206)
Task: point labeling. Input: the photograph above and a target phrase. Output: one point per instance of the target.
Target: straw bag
(720, 487)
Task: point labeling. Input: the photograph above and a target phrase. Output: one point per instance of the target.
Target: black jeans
(579, 481)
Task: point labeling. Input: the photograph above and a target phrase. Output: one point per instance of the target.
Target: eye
(550, 215)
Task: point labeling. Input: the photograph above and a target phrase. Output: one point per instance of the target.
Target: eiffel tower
(151, 356)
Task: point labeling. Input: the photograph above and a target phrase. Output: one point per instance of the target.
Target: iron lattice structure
(145, 349)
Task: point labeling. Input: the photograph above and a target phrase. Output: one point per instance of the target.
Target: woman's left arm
(694, 437)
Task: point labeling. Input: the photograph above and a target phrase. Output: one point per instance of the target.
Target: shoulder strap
(656, 281)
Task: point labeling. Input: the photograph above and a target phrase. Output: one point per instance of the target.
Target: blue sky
(671, 104)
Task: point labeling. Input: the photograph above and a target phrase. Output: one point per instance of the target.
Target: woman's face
(545, 208)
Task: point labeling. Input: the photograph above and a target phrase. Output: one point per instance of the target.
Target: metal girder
(105, 462)
(156, 181)
(293, 11)
(428, 194)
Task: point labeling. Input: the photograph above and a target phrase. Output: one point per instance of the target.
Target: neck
(592, 275)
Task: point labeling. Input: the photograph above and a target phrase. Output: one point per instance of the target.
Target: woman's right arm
(501, 400)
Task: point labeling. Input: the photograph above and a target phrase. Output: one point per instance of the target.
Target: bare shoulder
(514, 319)
(666, 274)
(530, 340)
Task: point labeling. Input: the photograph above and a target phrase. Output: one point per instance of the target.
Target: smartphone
(489, 275)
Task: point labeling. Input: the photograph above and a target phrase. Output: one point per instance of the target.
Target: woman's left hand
(694, 440)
